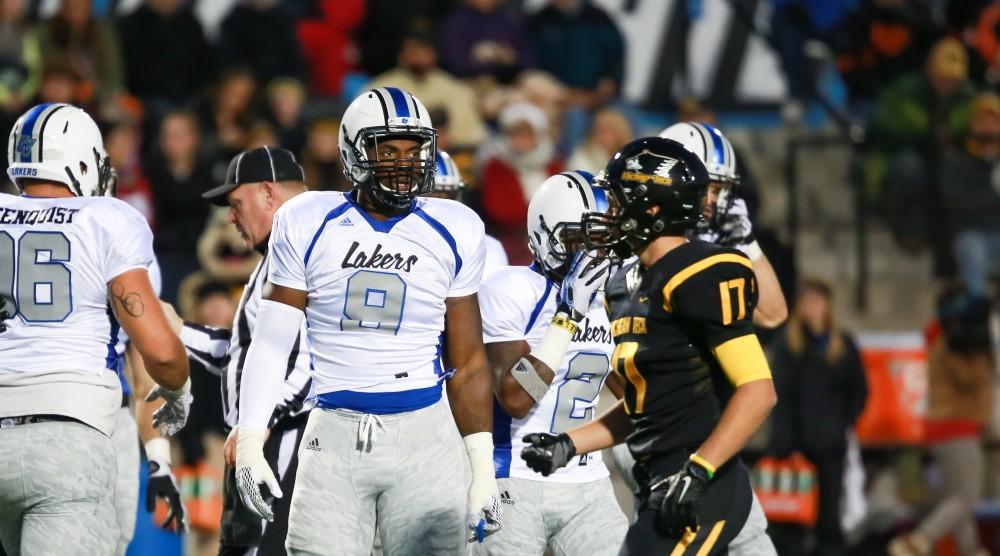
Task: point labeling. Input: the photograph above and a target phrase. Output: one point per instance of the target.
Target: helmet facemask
(391, 177)
(563, 241)
(107, 178)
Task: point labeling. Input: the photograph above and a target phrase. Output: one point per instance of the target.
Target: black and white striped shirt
(224, 352)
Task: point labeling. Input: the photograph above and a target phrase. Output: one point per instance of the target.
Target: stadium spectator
(229, 113)
(60, 83)
(418, 73)
(91, 46)
(917, 118)
(259, 35)
(959, 406)
(881, 41)
(328, 43)
(385, 24)
(124, 145)
(793, 23)
(608, 133)
(286, 98)
(178, 177)
(970, 188)
(321, 158)
(20, 59)
(480, 38)
(821, 386)
(523, 157)
(582, 47)
(168, 60)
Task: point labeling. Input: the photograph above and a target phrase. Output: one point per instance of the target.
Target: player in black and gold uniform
(697, 382)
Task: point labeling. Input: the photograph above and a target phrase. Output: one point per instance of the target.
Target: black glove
(162, 484)
(545, 453)
(677, 510)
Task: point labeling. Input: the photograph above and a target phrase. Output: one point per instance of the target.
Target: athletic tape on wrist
(526, 375)
(752, 250)
(158, 450)
(555, 342)
(479, 446)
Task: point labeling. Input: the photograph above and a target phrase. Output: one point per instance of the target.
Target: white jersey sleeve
(469, 236)
(130, 244)
(508, 312)
(288, 256)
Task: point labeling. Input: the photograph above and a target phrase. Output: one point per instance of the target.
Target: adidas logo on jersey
(506, 499)
(314, 445)
(345, 222)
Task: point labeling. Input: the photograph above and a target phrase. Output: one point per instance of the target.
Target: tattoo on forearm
(130, 302)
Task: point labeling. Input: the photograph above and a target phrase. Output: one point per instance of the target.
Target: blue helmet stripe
(441, 166)
(29, 126)
(399, 101)
(720, 150)
(600, 199)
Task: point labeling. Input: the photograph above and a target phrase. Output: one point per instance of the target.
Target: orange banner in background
(896, 366)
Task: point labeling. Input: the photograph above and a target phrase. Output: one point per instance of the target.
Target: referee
(258, 182)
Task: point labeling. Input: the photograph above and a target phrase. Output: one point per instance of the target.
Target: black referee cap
(254, 166)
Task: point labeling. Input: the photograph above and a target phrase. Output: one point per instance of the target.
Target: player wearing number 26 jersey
(572, 511)
(73, 274)
(384, 277)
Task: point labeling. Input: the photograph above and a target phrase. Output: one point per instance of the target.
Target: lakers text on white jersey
(517, 304)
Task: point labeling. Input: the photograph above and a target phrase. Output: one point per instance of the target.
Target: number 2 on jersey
(583, 382)
(42, 288)
(374, 301)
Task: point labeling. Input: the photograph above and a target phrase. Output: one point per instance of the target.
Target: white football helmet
(711, 146)
(380, 115)
(555, 219)
(447, 179)
(59, 143)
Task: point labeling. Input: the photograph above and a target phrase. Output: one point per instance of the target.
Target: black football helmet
(646, 173)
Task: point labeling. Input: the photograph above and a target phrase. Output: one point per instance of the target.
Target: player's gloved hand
(684, 488)
(546, 453)
(485, 514)
(254, 479)
(162, 484)
(586, 275)
(736, 229)
(172, 417)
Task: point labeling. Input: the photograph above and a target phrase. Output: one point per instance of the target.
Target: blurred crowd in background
(519, 90)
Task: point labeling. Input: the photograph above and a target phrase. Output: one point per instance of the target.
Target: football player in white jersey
(73, 272)
(727, 221)
(386, 280)
(448, 184)
(550, 363)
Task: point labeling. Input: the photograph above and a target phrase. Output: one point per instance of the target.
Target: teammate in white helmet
(448, 184)
(73, 273)
(727, 221)
(385, 279)
(549, 342)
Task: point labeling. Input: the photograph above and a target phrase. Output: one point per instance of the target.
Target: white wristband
(249, 444)
(158, 450)
(752, 250)
(479, 446)
(552, 349)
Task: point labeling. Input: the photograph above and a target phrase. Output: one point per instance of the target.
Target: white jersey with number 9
(376, 290)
